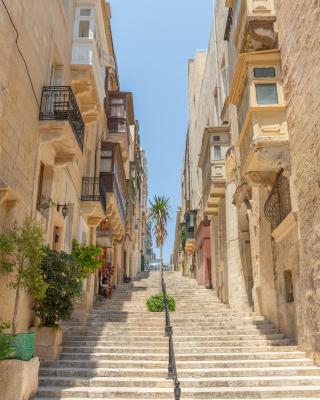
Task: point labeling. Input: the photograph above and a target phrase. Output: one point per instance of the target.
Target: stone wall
(300, 52)
(44, 30)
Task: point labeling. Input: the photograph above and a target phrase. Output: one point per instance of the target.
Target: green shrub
(5, 341)
(62, 274)
(155, 303)
(88, 257)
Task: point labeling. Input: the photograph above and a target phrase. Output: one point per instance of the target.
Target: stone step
(230, 382)
(193, 364)
(183, 372)
(123, 332)
(163, 342)
(119, 351)
(178, 338)
(180, 349)
(167, 392)
(185, 324)
(182, 356)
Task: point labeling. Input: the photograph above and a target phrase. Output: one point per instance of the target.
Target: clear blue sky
(153, 42)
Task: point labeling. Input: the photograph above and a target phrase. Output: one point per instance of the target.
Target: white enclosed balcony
(212, 162)
(90, 58)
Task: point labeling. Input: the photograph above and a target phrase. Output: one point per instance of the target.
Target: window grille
(278, 204)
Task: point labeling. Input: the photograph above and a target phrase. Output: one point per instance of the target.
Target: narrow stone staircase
(119, 351)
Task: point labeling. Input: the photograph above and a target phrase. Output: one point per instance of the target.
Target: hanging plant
(183, 236)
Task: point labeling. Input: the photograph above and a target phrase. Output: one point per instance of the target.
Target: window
(117, 108)
(66, 6)
(57, 75)
(40, 186)
(267, 93)
(217, 152)
(244, 106)
(225, 77)
(264, 72)
(216, 138)
(85, 12)
(289, 286)
(106, 161)
(217, 105)
(84, 29)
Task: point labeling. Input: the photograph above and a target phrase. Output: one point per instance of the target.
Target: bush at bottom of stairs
(155, 303)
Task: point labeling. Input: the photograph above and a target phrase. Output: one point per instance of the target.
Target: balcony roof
(208, 132)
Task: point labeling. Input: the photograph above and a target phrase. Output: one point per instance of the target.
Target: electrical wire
(20, 52)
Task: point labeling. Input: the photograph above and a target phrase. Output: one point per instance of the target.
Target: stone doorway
(245, 252)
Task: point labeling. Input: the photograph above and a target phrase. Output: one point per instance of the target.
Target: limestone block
(48, 343)
(19, 379)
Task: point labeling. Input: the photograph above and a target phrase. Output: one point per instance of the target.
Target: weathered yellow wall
(300, 53)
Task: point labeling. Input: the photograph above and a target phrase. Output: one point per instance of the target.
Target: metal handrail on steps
(172, 368)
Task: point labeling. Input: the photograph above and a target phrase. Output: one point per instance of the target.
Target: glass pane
(106, 153)
(217, 152)
(264, 72)
(117, 101)
(84, 29)
(85, 12)
(267, 93)
(117, 111)
(106, 165)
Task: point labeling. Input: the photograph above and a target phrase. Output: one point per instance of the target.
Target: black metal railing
(172, 368)
(278, 204)
(93, 189)
(59, 103)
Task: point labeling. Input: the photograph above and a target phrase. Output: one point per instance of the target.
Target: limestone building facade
(70, 153)
(255, 236)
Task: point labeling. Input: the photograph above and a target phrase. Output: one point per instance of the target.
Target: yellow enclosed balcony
(263, 134)
(252, 25)
(215, 144)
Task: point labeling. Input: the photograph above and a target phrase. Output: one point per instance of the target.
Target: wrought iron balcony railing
(93, 189)
(59, 103)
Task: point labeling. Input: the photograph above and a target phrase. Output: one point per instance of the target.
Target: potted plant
(62, 274)
(21, 254)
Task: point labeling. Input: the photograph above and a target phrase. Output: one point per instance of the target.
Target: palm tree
(159, 215)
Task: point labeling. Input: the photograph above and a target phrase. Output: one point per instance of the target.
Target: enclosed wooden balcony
(212, 161)
(61, 123)
(252, 25)
(119, 113)
(113, 177)
(190, 223)
(263, 134)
